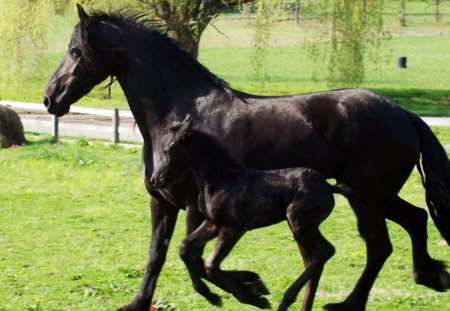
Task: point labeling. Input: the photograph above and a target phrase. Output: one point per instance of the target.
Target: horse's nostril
(46, 102)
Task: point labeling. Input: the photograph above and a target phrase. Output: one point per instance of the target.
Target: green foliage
(23, 38)
(357, 28)
(261, 36)
(354, 30)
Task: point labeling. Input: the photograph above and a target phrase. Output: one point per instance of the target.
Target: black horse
(235, 199)
(357, 137)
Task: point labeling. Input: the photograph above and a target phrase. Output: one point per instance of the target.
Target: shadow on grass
(420, 101)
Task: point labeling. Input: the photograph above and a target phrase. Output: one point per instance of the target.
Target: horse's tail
(358, 206)
(434, 168)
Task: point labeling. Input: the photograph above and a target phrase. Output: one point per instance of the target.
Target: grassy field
(75, 228)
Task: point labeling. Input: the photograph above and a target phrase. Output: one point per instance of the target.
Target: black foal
(235, 199)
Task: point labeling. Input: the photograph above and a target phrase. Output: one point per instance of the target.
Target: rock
(11, 128)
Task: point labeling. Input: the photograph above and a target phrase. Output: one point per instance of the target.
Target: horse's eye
(75, 52)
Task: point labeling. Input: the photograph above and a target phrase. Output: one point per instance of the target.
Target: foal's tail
(358, 206)
(434, 168)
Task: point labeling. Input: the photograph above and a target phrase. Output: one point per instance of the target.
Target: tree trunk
(186, 40)
(437, 13)
(402, 13)
(297, 13)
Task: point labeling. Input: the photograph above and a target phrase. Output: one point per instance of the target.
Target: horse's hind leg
(316, 251)
(427, 271)
(379, 249)
(191, 251)
(228, 237)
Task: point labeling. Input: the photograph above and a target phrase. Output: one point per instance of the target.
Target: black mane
(146, 27)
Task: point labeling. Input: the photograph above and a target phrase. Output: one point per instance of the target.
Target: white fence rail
(99, 128)
(117, 125)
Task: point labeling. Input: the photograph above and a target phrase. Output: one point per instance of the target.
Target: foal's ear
(84, 17)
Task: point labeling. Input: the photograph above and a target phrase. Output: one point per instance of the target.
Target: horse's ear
(84, 17)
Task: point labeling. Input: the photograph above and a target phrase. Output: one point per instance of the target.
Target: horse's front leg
(164, 217)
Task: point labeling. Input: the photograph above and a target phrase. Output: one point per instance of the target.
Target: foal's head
(173, 159)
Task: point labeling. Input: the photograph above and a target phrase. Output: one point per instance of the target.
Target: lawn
(75, 231)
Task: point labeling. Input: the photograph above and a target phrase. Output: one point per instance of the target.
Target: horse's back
(353, 135)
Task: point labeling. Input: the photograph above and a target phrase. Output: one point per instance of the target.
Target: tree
(23, 36)
(355, 34)
(187, 19)
(437, 12)
(402, 12)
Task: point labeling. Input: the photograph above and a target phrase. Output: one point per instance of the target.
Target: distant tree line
(355, 28)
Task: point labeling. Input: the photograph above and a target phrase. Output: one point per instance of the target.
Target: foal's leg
(191, 251)
(250, 281)
(427, 271)
(228, 237)
(316, 251)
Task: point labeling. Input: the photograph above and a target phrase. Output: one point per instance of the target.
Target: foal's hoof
(342, 306)
(250, 282)
(264, 303)
(256, 288)
(439, 280)
(214, 299)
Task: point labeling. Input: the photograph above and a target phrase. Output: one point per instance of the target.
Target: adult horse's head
(88, 61)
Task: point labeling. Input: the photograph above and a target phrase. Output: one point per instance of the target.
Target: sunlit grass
(75, 232)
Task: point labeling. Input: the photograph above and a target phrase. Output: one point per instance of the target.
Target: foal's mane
(148, 28)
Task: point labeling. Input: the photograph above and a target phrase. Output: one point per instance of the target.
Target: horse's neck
(211, 164)
(162, 86)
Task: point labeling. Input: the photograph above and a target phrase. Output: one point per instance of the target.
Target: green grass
(75, 228)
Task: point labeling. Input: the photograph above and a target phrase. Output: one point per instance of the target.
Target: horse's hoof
(342, 306)
(439, 281)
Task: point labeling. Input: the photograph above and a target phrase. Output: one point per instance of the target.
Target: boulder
(11, 128)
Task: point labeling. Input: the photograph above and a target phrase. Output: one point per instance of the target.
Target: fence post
(115, 126)
(55, 128)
